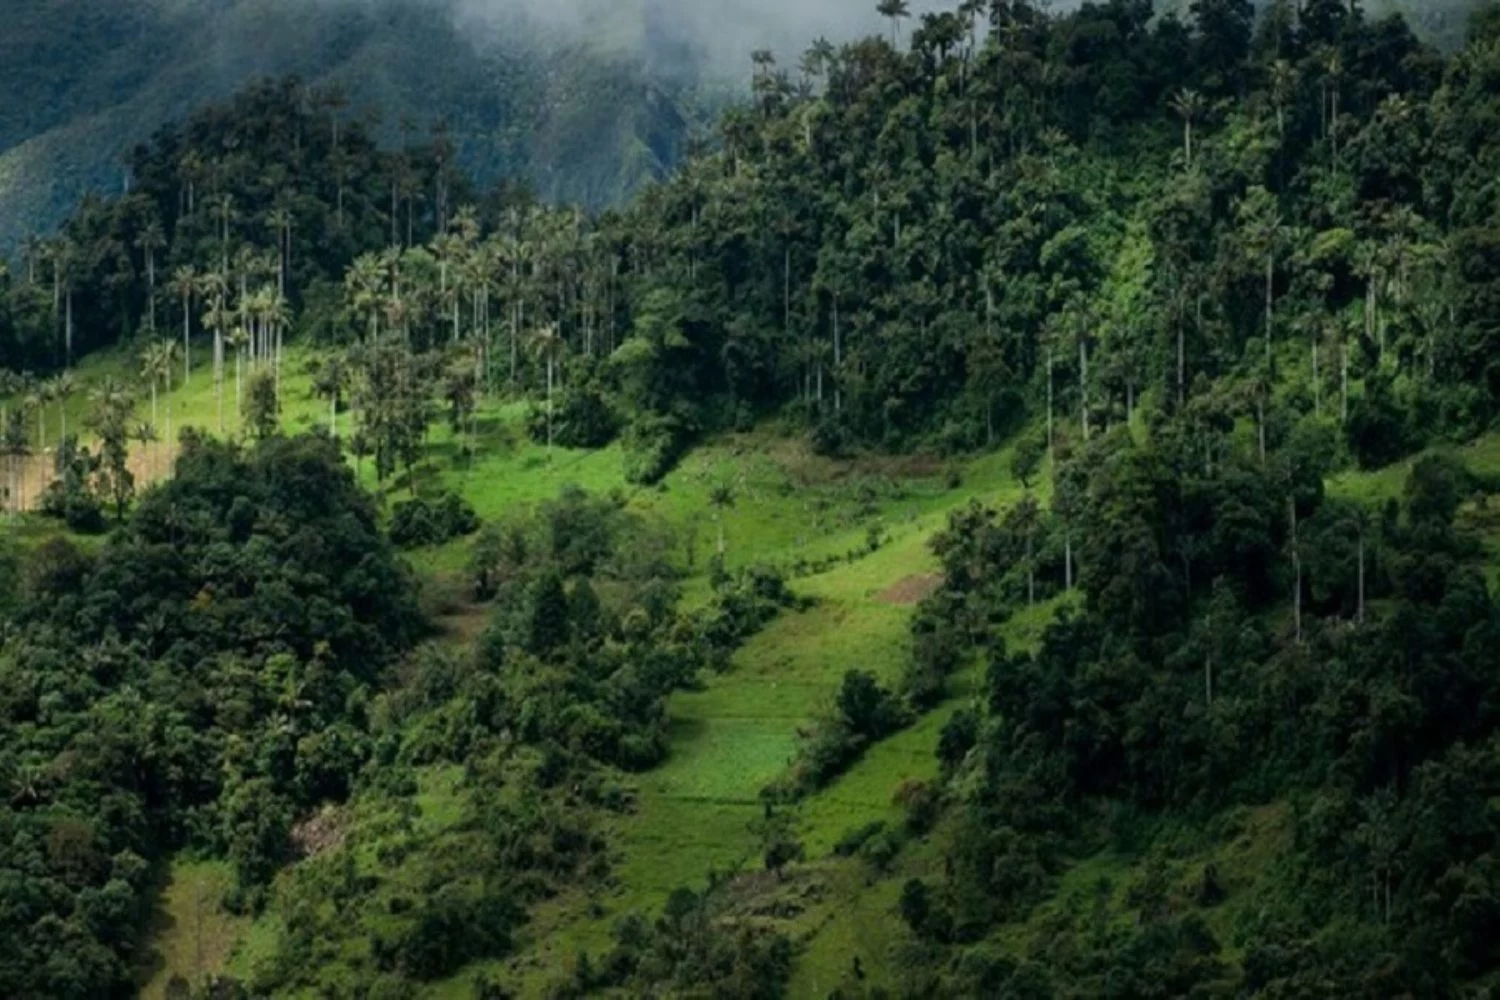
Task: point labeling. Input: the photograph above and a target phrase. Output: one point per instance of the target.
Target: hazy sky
(723, 32)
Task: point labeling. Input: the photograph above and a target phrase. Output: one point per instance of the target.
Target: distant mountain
(588, 99)
(587, 116)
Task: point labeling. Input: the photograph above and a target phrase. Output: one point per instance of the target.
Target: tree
(894, 11)
(185, 282)
(1263, 237)
(331, 381)
(547, 342)
(109, 418)
(721, 498)
(262, 410)
(149, 241)
(1190, 106)
(1026, 458)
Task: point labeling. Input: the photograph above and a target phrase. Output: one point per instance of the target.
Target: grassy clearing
(695, 813)
(192, 932)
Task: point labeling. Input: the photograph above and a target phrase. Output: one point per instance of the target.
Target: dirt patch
(323, 831)
(912, 589)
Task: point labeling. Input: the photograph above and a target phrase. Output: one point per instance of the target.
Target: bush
(864, 712)
(852, 841)
(581, 418)
(419, 522)
(653, 445)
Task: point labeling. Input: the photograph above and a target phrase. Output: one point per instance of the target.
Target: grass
(695, 813)
(192, 933)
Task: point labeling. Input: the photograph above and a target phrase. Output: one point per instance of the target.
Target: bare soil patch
(322, 831)
(912, 589)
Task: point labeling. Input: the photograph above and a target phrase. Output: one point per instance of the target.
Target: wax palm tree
(547, 343)
(721, 498)
(43, 396)
(64, 255)
(280, 220)
(1190, 106)
(1263, 237)
(184, 283)
(64, 385)
(153, 362)
(149, 240)
(238, 340)
(146, 434)
(331, 381)
(894, 11)
(364, 284)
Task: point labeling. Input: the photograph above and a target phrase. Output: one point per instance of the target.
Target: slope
(580, 119)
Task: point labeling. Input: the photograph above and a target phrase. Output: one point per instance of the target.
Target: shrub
(653, 445)
(581, 418)
(419, 522)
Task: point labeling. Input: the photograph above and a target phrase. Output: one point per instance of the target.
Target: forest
(1182, 326)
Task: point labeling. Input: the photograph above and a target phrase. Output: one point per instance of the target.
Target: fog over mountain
(585, 98)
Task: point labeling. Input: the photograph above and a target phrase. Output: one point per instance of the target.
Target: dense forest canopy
(1190, 265)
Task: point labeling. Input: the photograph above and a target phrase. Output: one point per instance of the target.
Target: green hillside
(1014, 516)
(580, 118)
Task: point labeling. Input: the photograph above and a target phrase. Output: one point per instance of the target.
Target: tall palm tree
(146, 434)
(185, 282)
(153, 362)
(217, 317)
(1263, 235)
(39, 398)
(1189, 106)
(895, 11)
(149, 240)
(280, 221)
(364, 283)
(547, 343)
(238, 340)
(64, 255)
(1283, 89)
(721, 498)
(33, 252)
(64, 385)
(332, 379)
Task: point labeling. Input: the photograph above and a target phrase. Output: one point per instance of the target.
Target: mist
(715, 36)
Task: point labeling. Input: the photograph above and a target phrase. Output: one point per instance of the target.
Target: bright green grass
(697, 812)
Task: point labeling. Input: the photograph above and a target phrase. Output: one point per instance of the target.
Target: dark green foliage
(1174, 702)
(863, 713)
(691, 948)
(202, 674)
(423, 521)
(582, 418)
(70, 497)
(262, 408)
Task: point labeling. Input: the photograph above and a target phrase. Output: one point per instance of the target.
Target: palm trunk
(1030, 572)
(1083, 385)
(1344, 383)
(1181, 360)
(838, 360)
(1049, 403)
(1296, 571)
(1317, 382)
(1270, 303)
(1260, 413)
(151, 288)
(1208, 665)
(1360, 610)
